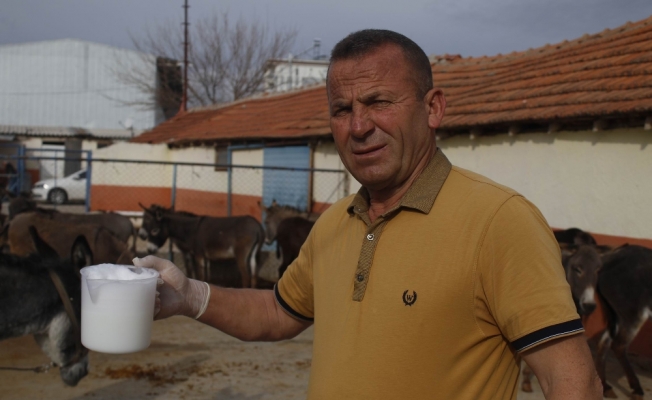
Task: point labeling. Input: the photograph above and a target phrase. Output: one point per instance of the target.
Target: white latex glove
(175, 293)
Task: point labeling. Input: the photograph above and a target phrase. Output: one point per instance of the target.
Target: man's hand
(565, 369)
(176, 294)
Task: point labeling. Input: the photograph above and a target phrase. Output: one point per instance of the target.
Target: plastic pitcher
(117, 314)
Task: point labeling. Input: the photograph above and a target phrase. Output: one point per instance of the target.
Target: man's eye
(341, 111)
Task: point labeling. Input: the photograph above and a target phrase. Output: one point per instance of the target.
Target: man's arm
(565, 369)
(250, 315)
(247, 314)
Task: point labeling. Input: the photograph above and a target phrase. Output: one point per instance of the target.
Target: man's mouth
(368, 150)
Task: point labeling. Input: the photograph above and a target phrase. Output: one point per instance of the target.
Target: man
(431, 282)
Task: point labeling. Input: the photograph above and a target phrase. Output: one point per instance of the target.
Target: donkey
(291, 234)
(574, 236)
(625, 290)
(208, 238)
(31, 305)
(119, 225)
(581, 265)
(61, 235)
(276, 213)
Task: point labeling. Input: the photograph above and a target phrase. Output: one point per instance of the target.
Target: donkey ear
(42, 248)
(81, 254)
(567, 250)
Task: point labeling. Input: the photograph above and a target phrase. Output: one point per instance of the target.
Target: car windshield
(82, 175)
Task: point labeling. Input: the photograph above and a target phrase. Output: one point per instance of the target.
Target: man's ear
(436, 104)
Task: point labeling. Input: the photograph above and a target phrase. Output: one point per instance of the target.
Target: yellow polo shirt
(434, 299)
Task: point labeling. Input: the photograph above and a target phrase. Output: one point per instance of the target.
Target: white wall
(195, 177)
(597, 181)
(329, 187)
(128, 174)
(247, 181)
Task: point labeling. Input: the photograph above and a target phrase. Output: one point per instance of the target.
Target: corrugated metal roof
(603, 75)
(58, 131)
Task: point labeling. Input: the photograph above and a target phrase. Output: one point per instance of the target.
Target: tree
(226, 61)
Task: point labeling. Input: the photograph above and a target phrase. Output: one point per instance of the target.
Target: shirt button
(370, 236)
(360, 278)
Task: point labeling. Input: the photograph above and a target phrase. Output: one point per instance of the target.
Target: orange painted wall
(34, 174)
(215, 204)
(126, 198)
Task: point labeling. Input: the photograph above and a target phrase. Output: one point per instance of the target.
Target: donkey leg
(199, 266)
(600, 364)
(526, 385)
(619, 346)
(243, 266)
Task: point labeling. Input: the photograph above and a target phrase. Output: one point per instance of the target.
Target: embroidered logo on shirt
(409, 299)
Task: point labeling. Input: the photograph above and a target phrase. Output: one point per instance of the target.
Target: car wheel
(57, 196)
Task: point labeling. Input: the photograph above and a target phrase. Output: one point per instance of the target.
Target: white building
(67, 95)
(73, 83)
(289, 74)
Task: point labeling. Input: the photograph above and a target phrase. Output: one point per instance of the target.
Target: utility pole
(184, 96)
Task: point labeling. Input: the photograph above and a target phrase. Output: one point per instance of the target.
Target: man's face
(381, 129)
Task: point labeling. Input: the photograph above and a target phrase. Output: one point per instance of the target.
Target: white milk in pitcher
(117, 307)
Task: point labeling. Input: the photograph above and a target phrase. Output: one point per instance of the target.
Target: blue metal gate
(286, 187)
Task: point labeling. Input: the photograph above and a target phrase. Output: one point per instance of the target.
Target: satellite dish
(129, 123)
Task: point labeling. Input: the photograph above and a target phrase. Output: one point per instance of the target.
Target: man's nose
(361, 123)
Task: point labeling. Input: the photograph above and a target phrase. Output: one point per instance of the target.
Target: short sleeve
(294, 291)
(522, 278)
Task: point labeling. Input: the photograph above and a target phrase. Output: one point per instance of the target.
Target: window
(221, 158)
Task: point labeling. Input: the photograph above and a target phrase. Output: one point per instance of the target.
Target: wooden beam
(513, 130)
(475, 133)
(599, 125)
(554, 127)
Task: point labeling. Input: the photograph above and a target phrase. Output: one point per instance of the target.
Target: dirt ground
(188, 360)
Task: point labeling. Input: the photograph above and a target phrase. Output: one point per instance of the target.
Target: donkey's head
(582, 264)
(154, 228)
(274, 214)
(61, 342)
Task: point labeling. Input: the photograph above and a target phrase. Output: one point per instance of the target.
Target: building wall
(328, 187)
(122, 186)
(597, 181)
(202, 190)
(286, 76)
(71, 83)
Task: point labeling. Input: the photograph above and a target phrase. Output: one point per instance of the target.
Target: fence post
(89, 176)
(21, 169)
(173, 202)
(229, 189)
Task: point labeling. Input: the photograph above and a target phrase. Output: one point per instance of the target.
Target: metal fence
(206, 189)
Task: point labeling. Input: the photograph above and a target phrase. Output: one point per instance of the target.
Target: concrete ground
(188, 360)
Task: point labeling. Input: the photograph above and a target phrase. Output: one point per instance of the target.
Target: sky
(466, 27)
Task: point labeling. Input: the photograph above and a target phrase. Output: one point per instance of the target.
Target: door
(286, 187)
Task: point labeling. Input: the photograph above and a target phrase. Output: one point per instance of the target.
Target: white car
(59, 191)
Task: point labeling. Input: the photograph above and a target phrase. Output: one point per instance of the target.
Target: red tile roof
(606, 75)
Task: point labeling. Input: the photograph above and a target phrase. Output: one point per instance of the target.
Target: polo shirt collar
(420, 196)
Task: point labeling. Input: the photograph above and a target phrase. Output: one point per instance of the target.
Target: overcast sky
(466, 27)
